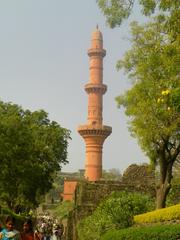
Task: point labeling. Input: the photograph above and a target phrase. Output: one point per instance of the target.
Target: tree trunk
(161, 194)
(164, 186)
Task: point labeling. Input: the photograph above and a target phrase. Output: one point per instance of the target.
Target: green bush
(122, 206)
(160, 232)
(173, 195)
(62, 209)
(92, 227)
(113, 213)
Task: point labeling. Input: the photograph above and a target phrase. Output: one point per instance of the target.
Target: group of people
(49, 228)
(8, 232)
(45, 230)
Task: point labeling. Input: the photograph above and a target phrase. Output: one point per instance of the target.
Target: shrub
(160, 232)
(62, 209)
(92, 227)
(115, 212)
(173, 195)
(160, 215)
(122, 206)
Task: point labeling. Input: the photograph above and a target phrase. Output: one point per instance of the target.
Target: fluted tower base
(94, 137)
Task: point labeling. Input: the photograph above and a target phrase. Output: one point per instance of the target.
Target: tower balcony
(95, 88)
(94, 131)
(96, 52)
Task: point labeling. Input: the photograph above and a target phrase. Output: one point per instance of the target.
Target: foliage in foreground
(32, 149)
(113, 213)
(160, 232)
(160, 215)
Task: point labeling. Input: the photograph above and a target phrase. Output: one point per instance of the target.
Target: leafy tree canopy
(118, 10)
(32, 149)
(153, 102)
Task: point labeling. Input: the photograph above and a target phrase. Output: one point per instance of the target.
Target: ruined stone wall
(89, 194)
(139, 174)
(69, 189)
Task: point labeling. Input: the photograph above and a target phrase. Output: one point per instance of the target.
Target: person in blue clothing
(9, 233)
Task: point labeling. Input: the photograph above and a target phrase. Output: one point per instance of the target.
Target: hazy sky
(44, 65)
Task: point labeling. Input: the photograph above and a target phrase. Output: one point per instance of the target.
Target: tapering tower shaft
(94, 133)
(95, 88)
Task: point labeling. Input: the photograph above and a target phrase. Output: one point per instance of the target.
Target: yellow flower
(165, 92)
(168, 108)
(158, 100)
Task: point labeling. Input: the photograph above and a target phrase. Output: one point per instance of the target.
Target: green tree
(32, 149)
(153, 102)
(116, 11)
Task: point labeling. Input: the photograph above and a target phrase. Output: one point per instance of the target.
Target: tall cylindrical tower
(94, 132)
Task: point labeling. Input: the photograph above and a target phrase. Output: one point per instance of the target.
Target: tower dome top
(97, 38)
(97, 35)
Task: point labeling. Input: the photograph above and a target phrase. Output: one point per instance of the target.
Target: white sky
(44, 65)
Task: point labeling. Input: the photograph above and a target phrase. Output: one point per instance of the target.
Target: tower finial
(97, 27)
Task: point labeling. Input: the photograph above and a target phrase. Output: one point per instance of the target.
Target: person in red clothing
(27, 233)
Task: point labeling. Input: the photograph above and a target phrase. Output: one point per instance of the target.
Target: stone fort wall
(89, 194)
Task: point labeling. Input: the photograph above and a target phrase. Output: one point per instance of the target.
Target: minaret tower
(94, 132)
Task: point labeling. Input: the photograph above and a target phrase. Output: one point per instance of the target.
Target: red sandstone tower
(94, 132)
